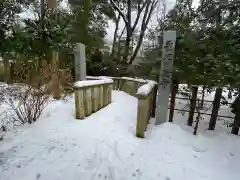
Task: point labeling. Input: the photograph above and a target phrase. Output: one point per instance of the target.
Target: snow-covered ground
(104, 146)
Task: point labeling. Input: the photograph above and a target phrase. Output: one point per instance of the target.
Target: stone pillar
(164, 86)
(80, 62)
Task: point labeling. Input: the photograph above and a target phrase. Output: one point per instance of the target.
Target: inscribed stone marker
(169, 40)
(80, 62)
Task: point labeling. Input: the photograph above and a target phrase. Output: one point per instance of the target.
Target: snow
(104, 146)
(138, 80)
(86, 83)
(145, 89)
(99, 77)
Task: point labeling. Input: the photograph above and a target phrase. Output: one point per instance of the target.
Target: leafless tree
(144, 8)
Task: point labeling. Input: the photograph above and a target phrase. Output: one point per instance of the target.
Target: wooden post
(154, 100)
(141, 117)
(192, 105)
(172, 101)
(216, 106)
(79, 109)
(80, 62)
(165, 76)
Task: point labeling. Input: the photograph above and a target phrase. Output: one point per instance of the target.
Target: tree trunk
(235, 127)
(55, 59)
(173, 97)
(146, 18)
(197, 122)
(129, 31)
(229, 93)
(7, 72)
(42, 9)
(119, 45)
(127, 45)
(216, 106)
(192, 105)
(203, 94)
(137, 47)
(115, 36)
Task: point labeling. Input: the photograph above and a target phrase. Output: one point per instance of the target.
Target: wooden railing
(128, 85)
(146, 107)
(92, 95)
(96, 92)
(146, 92)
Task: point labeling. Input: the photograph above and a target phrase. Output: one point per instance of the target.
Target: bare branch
(150, 12)
(140, 9)
(119, 11)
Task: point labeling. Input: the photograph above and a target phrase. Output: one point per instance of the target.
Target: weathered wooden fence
(145, 91)
(92, 95)
(96, 92)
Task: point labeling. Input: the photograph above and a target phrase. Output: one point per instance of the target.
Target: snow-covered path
(104, 146)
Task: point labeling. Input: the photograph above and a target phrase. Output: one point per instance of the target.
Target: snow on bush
(26, 103)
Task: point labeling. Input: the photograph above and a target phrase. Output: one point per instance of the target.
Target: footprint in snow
(51, 148)
(137, 173)
(18, 166)
(200, 150)
(38, 175)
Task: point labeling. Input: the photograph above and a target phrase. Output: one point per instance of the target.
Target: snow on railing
(92, 95)
(146, 92)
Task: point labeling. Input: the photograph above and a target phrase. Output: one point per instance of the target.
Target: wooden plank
(79, 107)
(147, 111)
(135, 88)
(101, 97)
(110, 94)
(116, 84)
(123, 85)
(141, 117)
(154, 101)
(94, 99)
(105, 95)
(130, 88)
(97, 97)
(89, 99)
